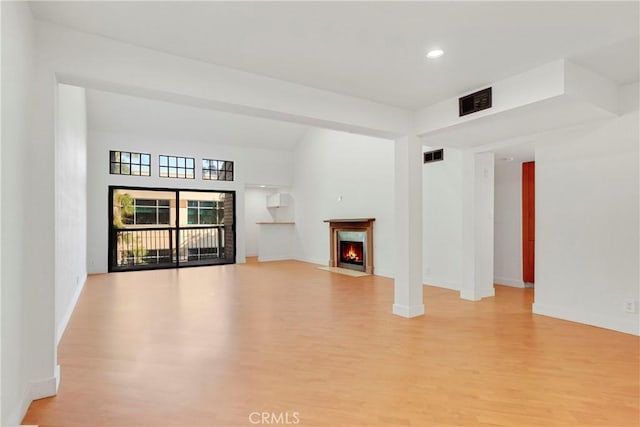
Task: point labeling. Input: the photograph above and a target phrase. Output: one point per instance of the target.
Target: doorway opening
(528, 222)
(151, 228)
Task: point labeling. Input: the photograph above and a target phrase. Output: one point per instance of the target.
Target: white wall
(255, 206)
(359, 169)
(629, 98)
(71, 202)
(587, 226)
(508, 224)
(251, 165)
(275, 242)
(17, 79)
(442, 227)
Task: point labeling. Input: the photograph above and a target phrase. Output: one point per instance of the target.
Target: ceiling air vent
(434, 156)
(475, 102)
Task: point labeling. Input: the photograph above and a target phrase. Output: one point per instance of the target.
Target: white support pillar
(408, 219)
(477, 225)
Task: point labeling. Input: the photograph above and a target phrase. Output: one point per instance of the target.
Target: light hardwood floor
(208, 346)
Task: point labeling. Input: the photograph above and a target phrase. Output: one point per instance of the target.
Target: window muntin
(217, 170)
(129, 163)
(177, 167)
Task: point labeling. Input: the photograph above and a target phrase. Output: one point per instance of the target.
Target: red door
(528, 221)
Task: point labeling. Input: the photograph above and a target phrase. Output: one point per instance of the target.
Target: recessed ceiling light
(263, 186)
(435, 53)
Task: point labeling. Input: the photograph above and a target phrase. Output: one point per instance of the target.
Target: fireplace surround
(351, 243)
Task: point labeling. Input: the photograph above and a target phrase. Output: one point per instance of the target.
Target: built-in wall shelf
(278, 200)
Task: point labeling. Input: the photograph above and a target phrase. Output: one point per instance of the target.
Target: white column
(408, 220)
(477, 225)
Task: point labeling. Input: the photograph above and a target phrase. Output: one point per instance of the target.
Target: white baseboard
(35, 390)
(408, 311)
(274, 258)
(69, 311)
(506, 281)
(477, 294)
(627, 323)
(58, 374)
(383, 273)
(439, 283)
(317, 261)
(46, 387)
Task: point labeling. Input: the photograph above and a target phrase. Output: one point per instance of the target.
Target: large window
(217, 170)
(177, 167)
(148, 212)
(159, 227)
(202, 212)
(128, 163)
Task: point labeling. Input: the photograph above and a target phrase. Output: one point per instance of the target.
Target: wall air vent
(475, 102)
(434, 156)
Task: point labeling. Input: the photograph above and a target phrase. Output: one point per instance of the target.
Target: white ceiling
(620, 61)
(373, 50)
(522, 148)
(110, 112)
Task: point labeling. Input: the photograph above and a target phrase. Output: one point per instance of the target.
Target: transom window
(128, 163)
(217, 170)
(177, 167)
(204, 212)
(148, 212)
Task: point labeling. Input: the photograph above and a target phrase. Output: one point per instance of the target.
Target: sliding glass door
(206, 232)
(160, 228)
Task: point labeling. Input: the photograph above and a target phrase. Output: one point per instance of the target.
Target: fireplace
(351, 244)
(351, 252)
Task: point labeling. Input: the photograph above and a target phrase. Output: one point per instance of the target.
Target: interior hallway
(208, 346)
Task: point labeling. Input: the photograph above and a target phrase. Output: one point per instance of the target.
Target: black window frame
(218, 170)
(169, 164)
(230, 226)
(116, 163)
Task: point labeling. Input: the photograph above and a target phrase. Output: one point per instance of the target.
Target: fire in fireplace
(352, 252)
